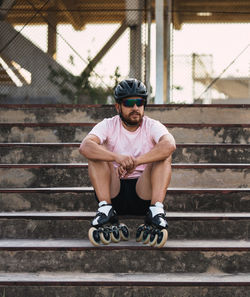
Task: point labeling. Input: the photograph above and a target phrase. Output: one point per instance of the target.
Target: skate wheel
(162, 238)
(94, 236)
(153, 239)
(139, 233)
(146, 235)
(105, 236)
(124, 232)
(115, 234)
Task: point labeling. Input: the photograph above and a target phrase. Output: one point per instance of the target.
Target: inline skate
(106, 227)
(154, 230)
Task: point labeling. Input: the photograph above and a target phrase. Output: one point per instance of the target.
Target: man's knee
(165, 162)
(169, 159)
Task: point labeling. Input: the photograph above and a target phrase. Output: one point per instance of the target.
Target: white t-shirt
(119, 140)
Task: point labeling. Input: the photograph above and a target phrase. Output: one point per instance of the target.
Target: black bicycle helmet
(130, 87)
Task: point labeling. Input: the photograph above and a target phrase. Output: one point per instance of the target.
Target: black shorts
(127, 202)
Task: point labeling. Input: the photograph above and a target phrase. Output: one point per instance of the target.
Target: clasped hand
(127, 164)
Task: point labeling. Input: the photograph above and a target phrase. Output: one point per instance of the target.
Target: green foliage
(78, 89)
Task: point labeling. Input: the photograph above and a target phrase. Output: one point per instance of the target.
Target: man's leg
(153, 183)
(107, 185)
(104, 180)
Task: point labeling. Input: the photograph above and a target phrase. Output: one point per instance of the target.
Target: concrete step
(21, 153)
(45, 284)
(178, 256)
(82, 199)
(75, 132)
(236, 114)
(75, 175)
(75, 225)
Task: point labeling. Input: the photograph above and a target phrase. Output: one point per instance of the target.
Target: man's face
(130, 110)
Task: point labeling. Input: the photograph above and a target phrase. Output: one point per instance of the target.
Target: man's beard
(129, 122)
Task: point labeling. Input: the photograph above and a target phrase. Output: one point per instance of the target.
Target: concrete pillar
(135, 52)
(167, 51)
(159, 19)
(148, 49)
(134, 21)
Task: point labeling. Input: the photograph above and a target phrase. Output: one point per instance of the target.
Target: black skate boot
(105, 226)
(154, 231)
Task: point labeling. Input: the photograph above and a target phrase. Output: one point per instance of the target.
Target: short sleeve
(101, 130)
(158, 130)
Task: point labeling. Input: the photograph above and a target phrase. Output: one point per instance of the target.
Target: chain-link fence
(70, 51)
(211, 52)
(62, 51)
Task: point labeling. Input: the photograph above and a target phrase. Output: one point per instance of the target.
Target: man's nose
(135, 107)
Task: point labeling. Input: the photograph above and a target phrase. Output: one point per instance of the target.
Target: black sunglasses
(131, 102)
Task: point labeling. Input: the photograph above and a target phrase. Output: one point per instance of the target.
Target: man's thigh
(115, 183)
(144, 186)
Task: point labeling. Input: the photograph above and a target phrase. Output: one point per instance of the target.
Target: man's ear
(118, 108)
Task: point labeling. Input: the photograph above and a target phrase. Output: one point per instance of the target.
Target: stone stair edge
(88, 215)
(92, 124)
(124, 279)
(176, 165)
(90, 189)
(84, 244)
(14, 106)
(77, 144)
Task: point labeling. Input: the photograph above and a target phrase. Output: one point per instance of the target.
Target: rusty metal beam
(176, 15)
(5, 7)
(101, 11)
(105, 48)
(52, 24)
(73, 17)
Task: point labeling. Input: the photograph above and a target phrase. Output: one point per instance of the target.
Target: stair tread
(89, 215)
(88, 124)
(83, 244)
(77, 144)
(84, 106)
(90, 189)
(84, 165)
(117, 279)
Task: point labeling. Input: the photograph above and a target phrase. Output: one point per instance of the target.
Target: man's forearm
(162, 150)
(93, 151)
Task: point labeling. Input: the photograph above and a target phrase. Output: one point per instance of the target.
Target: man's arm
(162, 150)
(92, 149)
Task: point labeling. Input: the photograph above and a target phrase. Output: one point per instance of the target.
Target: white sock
(156, 209)
(104, 207)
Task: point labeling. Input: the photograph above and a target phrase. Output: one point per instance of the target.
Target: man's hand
(127, 164)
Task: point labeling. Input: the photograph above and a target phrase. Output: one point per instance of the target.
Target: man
(129, 158)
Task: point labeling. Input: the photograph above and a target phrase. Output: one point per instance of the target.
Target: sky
(221, 42)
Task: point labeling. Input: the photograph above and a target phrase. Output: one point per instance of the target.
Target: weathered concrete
(67, 225)
(234, 200)
(193, 215)
(126, 291)
(124, 260)
(69, 153)
(76, 132)
(79, 284)
(48, 202)
(71, 175)
(165, 113)
(44, 134)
